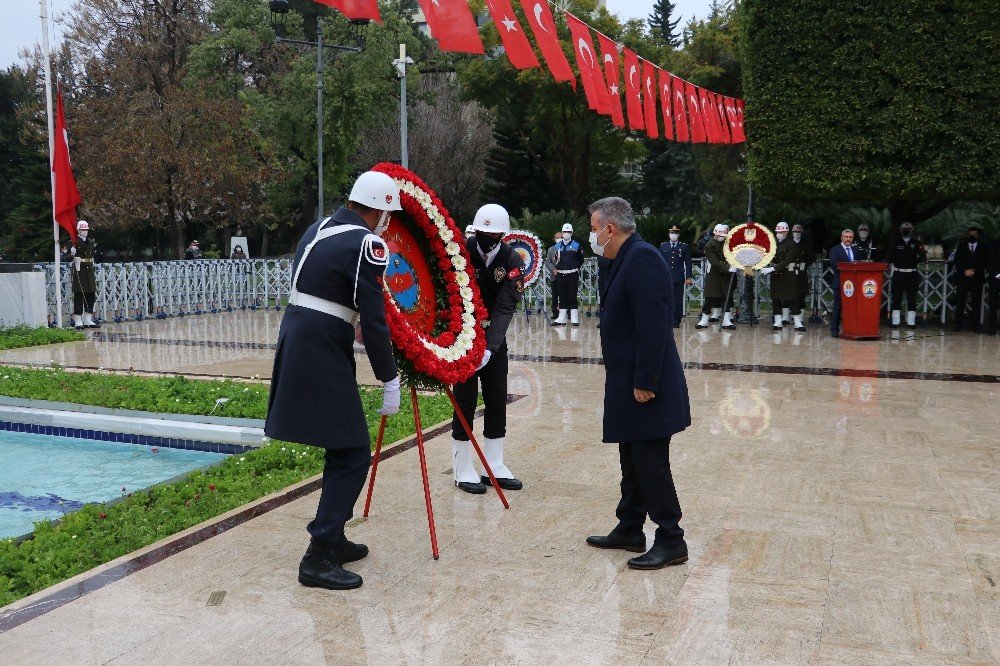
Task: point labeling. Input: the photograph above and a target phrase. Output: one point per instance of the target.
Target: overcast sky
(20, 26)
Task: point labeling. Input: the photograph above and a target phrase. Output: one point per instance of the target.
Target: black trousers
(835, 313)
(494, 380)
(968, 286)
(83, 302)
(717, 302)
(344, 474)
(555, 298)
(994, 301)
(678, 302)
(904, 284)
(648, 489)
(567, 286)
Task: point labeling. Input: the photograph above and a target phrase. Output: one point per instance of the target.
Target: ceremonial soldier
(501, 283)
(82, 255)
(569, 260)
(720, 282)
(678, 256)
(903, 257)
(804, 258)
(469, 232)
(784, 280)
(864, 246)
(336, 276)
(550, 269)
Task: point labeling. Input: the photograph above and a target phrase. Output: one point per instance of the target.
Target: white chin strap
(383, 223)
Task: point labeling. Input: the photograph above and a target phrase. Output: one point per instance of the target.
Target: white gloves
(486, 359)
(767, 270)
(733, 269)
(76, 264)
(390, 397)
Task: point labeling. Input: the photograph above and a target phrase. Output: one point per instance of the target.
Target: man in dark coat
(501, 284)
(719, 282)
(784, 280)
(993, 275)
(805, 256)
(970, 274)
(840, 253)
(337, 273)
(83, 253)
(678, 258)
(645, 393)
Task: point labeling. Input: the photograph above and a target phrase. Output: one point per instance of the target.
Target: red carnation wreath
(529, 248)
(433, 305)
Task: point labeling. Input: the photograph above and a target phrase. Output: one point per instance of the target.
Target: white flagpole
(57, 279)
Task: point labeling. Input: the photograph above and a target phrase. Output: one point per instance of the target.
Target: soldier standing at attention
(720, 282)
(569, 260)
(678, 256)
(903, 257)
(82, 255)
(784, 283)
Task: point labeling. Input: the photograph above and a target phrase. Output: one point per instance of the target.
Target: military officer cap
(675, 229)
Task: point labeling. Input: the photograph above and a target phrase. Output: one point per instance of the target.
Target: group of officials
(337, 281)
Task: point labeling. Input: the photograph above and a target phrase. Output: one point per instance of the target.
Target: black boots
(321, 566)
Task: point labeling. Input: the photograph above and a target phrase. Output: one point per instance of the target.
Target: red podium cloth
(861, 299)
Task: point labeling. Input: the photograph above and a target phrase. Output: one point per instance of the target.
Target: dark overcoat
(314, 391)
(678, 258)
(85, 279)
(784, 280)
(639, 351)
(718, 279)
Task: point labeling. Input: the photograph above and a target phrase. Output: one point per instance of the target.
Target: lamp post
(279, 12)
(400, 64)
(747, 304)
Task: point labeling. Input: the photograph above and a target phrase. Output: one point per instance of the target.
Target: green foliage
(546, 224)
(878, 220)
(655, 228)
(661, 27)
(25, 336)
(953, 223)
(668, 181)
(893, 106)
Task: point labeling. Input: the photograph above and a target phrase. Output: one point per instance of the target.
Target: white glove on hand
(767, 270)
(76, 264)
(733, 269)
(390, 397)
(486, 359)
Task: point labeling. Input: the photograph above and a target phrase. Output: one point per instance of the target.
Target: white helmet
(469, 229)
(376, 190)
(568, 227)
(720, 229)
(82, 226)
(782, 226)
(492, 218)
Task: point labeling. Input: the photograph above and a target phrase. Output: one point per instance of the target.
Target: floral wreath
(529, 248)
(749, 246)
(433, 304)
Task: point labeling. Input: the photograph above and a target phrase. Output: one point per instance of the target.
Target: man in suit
(970, 274)
(645, 393)
(843, 252)
(993, 275)
(678, 256)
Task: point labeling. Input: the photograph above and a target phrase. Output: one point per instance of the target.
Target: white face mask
(82, 235)
(720, 237)
(674, 237)
(596, 246)
(567, 235)
(781, 235)
(797, 236)
(383, 223)
(862, 234)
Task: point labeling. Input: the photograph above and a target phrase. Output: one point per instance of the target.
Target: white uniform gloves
(767, 270)
(390, 397)
(733, 269)
(486, 359)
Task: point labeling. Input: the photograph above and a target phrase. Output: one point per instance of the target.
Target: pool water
(44, 477)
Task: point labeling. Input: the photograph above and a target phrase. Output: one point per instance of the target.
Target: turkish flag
(720, 112)
(695, 123)
(543, 26)
(65, 196)
(731, 116)
(680, 108)
(586, 60)
(708, 116)
(452, 25)
(665, 106)
(649, 99)
(739, 135)
(612, 76)
(355, 9)
(633, 91)
(515, 42)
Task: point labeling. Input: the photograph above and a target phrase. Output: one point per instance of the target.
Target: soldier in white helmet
(469, 232)
(719, 282)
(569, 260)
(501, 283)
(336, 277)
(82, 254)
(784, 280)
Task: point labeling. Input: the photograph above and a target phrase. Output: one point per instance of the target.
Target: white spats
(493, 450)
(461, 462)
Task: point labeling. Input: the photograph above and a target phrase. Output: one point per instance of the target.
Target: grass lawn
(100, 533)
(23, 336)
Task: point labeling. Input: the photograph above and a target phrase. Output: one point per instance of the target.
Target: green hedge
(24, 336)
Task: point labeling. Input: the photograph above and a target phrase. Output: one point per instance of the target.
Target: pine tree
(660, 24)
(514, 178)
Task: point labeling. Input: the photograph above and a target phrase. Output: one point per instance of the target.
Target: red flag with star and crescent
(695, 122)
(633, 91)
(586, 60)
(665, 105)
(355, 9)
(612, 77)
(739, 135)
(680, 108)
(453, 25)
(543, 26)
(720, 111)
(709, 117)
(649, 99)
(515, 42)
(65, 196)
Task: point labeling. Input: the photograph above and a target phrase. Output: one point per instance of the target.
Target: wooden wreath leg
(475, 444)
(378, 455)
(423, 471)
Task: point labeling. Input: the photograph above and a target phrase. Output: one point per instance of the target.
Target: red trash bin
(861, 298)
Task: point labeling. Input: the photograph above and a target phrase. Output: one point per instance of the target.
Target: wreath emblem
(749, 246)
(529, 248)
(431, 297)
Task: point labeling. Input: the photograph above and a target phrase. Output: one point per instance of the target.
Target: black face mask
(486, 243)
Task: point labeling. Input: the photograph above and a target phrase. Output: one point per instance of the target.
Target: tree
(660, 25)
(893, 107)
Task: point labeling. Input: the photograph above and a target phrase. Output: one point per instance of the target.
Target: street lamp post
(279, 11)
(400, 64)
(747, 302)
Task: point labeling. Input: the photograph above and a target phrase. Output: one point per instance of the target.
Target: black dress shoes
(350, 552)
(320, 568)
(635, 544)
(471, 487)
(659, 557)
(506, 484)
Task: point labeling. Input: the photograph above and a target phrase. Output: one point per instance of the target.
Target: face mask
(862, 234)
(797, 236)
(383, 223)
(595, 244)
(82, 235)
(486, 243)
(781, 235)
(674, 237)
(720, 237)
(567, 235)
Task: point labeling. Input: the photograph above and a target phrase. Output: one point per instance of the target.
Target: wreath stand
(423, 462)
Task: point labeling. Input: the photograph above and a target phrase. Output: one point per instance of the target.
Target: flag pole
(57, 278)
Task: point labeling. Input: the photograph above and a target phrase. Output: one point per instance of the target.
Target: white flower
(459, 263)
(462, 279)
(465, 293)
(452, 248)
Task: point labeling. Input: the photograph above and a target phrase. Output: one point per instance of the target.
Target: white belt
(904, 270)
(337, 310)
(568, 272)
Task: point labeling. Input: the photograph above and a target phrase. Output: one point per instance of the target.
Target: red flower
(102, 515)
(211, 487)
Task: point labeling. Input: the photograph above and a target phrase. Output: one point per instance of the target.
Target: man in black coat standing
(841, 253)
(336, 276)
(645, 393)
(970, 274)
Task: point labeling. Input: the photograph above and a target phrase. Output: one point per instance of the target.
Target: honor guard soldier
(864, 246)
(720, 282)
(469, 232)
(501, 283)
(804, 258)
(569, 260)
(678, 256)
(903, 257)
(784, 280)
(336, 276)
(82, 255)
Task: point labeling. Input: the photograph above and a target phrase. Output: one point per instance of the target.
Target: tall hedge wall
(884, 101)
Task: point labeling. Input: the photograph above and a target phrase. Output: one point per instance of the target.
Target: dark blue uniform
(314, 394)
(569, 260)
(639, 352)
(678, 257)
